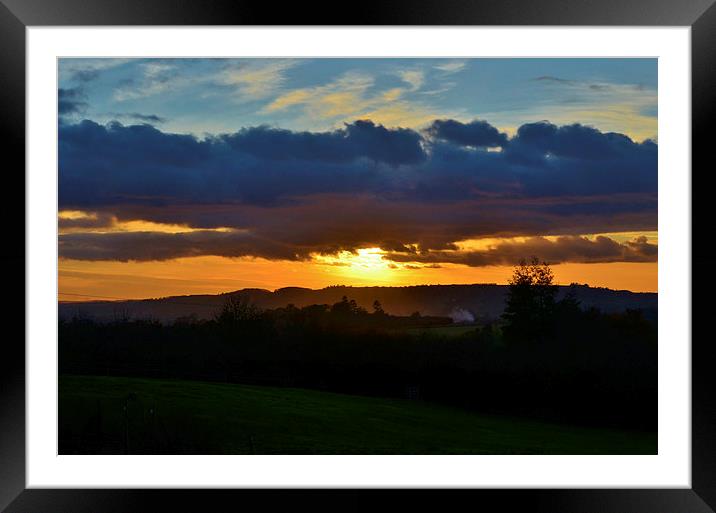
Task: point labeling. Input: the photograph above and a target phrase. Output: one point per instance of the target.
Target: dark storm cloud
(563, 249)
(99, 165)
(145, 246)
(478, 134)
(328, 224)
(358, 186)
(103, 165)
(577, 142)
(356, 140)
(70, 101)
(98, 220)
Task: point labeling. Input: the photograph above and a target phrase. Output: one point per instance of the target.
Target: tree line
(545, 359)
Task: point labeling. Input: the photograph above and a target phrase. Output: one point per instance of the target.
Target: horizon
(205, 176)
(104, 299)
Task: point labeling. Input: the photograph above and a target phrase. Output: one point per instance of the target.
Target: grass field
(117, 415)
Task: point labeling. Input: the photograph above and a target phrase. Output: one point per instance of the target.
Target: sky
(184, 176)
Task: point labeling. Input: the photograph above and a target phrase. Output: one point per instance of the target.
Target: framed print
(426, 247)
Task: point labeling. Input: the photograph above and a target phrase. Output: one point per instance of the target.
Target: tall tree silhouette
(378, 308)
(530, 306)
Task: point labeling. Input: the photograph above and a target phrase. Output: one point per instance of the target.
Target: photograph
(344, 255)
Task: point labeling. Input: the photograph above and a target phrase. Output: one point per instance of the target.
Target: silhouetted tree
(530, 302)
(378, 308)
(237, 310)
(569, 306)
(347, 308)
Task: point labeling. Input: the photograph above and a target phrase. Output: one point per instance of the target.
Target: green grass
(210, 418)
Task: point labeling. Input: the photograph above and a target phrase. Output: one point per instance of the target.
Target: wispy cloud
(86, 70)
(353, 96)
(445, 87)
(157, 77)
(451, 66)
(609, 106)
(337, 97)
(256, 80)
(415, 78)
(557, 80)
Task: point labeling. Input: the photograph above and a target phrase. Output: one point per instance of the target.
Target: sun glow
(363, 267)
(364, 264)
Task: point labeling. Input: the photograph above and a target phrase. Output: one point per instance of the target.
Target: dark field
(549, 378)
(165, 416)
(443, 331)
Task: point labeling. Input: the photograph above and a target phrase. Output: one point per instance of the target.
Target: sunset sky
(186, 176)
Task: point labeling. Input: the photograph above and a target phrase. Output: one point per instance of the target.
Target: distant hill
(462, 302)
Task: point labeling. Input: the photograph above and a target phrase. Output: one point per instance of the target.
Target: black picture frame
(17, 15)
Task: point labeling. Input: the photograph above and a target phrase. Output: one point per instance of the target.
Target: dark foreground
(111, 415)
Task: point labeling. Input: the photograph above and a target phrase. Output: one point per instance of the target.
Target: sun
(366, 265)
(368, 259)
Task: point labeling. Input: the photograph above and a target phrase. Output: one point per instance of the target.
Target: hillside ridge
(484, 302)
